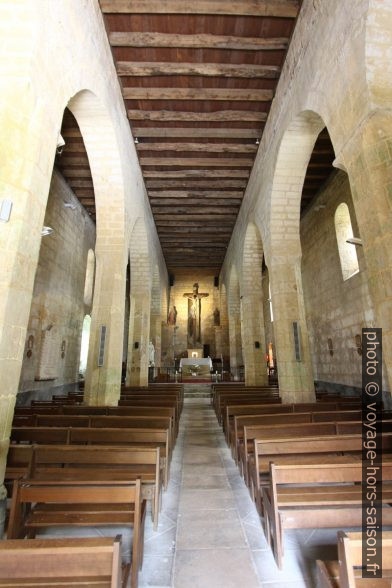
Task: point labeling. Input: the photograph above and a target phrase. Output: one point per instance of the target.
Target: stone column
(252, 332)
(103, 384)
(139, 336)
(235, 342)
(296, 382)
(367, 158)
(27, 152)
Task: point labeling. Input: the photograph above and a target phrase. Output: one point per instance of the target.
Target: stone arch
(252, 324)
(234, 312)
(284, 260)
(140, 305)
(96, 127)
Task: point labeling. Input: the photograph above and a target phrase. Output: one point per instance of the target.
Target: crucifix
(194, 314)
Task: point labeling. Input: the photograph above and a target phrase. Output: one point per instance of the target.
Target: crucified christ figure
(194, 314)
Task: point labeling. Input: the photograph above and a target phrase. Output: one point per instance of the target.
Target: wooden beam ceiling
(270, 8)
(197, 79)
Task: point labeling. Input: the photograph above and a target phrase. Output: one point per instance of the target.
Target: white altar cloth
(202, 361)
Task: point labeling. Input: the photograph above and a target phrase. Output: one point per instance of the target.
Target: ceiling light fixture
(69, 205)
(257, 142)
(354, 241)
(46, 231)
(136, 140)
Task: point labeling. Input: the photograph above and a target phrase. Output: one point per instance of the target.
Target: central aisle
(209, 533)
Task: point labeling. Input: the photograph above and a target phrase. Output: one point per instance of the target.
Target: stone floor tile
(214, 568)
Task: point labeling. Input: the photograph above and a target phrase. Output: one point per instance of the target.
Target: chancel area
(195, 293)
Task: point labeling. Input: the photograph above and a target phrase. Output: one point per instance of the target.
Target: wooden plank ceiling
(198, 79)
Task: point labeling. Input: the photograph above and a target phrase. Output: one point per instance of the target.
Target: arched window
(84, 344)
(89, 281)
(347, 251)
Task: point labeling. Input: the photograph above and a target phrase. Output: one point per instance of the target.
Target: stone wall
(336, 309)
(57, 307)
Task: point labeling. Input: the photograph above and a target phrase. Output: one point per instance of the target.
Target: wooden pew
(38, 506)
(97, 436)
(237, 434)
(347, 572)
(103, 421)
(297, 497)
(260, 409)
(61, 562)
(301, 451)
(81, 463)
(296, 430)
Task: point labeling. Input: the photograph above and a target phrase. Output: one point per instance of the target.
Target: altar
(196, 368)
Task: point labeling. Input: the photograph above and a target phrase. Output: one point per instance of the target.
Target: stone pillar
(368, 160)
(27, 152)
(103, 384)
(252, 332)
(235, 343)
(296, 382)
(139, 337)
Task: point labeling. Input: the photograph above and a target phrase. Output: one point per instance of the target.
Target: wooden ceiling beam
(199, 147)
(192, 133)
(156, 202)
(191, 211)
(195, 217)
(271, 8)
(75, 173)
(184, 195)
(216, 116)
(199, 185)
(80, 183)
(197, 173)
(218, 70)
(196, 162)
(222, 94)
(201, 41)
(179, 229)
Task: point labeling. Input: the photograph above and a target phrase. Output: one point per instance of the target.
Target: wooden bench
(317, 496)
(301, 451)
(289, 418)
(61, 562)
(296, 430)
(81, 463)
(102, 421)
(38, 506)
(97, 436)
(239, 418)
(347, 572)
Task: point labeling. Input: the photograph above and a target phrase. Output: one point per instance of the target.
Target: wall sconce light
(5, 211)
(46, 231)
(60, 144)
(354, 241)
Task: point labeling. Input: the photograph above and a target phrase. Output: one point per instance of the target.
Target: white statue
(151, 354)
